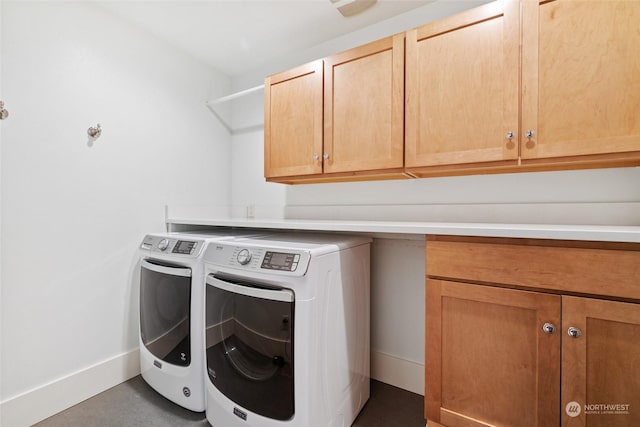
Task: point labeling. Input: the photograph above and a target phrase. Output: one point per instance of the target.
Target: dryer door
(165, 300)
(249, 340)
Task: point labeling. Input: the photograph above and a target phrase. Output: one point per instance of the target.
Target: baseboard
(401, 373)
(42, 402)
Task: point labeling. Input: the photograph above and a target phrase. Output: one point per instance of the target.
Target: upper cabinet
(359, 99)
(516, 86)
(462, 88)
(293, 122)
(580, 78)
(509, 86)
(363, 110)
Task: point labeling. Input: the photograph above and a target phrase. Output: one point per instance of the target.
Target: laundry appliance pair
(278, 327)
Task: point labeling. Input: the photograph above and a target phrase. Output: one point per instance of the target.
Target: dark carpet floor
(135, 404)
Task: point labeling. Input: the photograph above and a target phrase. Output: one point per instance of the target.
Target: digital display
(280, 261)
(183, 247)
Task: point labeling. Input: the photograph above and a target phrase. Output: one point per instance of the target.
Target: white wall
(248, 187)
(411, 19)
(74, 210)
(609, 196)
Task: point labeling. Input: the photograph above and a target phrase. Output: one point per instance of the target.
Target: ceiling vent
(352, 7)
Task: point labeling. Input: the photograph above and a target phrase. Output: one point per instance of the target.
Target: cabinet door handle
(509, 135)
(529, 134)
(325, 156)
(316, 157)
(549, 328)
(574, 332)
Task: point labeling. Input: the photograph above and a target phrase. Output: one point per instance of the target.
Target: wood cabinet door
(488, 360)
(580, 77)
(462, 88)
(364, 108)
(601, 364)
(293, 122)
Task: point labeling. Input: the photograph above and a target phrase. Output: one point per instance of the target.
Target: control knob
(163, 244)
(244, 257)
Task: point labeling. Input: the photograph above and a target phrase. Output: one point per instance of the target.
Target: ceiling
(235, 36)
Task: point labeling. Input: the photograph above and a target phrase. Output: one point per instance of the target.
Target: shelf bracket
(212, 103)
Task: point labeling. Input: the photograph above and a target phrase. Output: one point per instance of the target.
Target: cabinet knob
(325, 156)
(316, 157)
(574, 332)
(549, 328)
(509, 135)
(529, 134)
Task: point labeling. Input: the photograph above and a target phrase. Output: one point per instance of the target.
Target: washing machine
(287, 330)
(172, 313)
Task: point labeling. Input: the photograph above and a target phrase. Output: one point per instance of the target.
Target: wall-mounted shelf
(224, 99)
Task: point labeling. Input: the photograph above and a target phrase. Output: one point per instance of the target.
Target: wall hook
(3, 113)
(94, 132)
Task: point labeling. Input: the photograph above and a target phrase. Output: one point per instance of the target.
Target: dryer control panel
(270, 260)
(282, 261)
(169, 245)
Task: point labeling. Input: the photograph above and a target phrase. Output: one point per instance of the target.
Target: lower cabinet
(489, 362)
(600, 363)
(514, 353)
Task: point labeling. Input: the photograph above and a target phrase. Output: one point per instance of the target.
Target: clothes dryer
(287, 330)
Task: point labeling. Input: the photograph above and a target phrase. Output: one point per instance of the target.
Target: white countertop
(532, 231)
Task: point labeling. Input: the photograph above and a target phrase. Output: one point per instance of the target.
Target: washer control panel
(170, 245)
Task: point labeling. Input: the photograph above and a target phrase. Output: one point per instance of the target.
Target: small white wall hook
(94, 132)
(3, 113)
